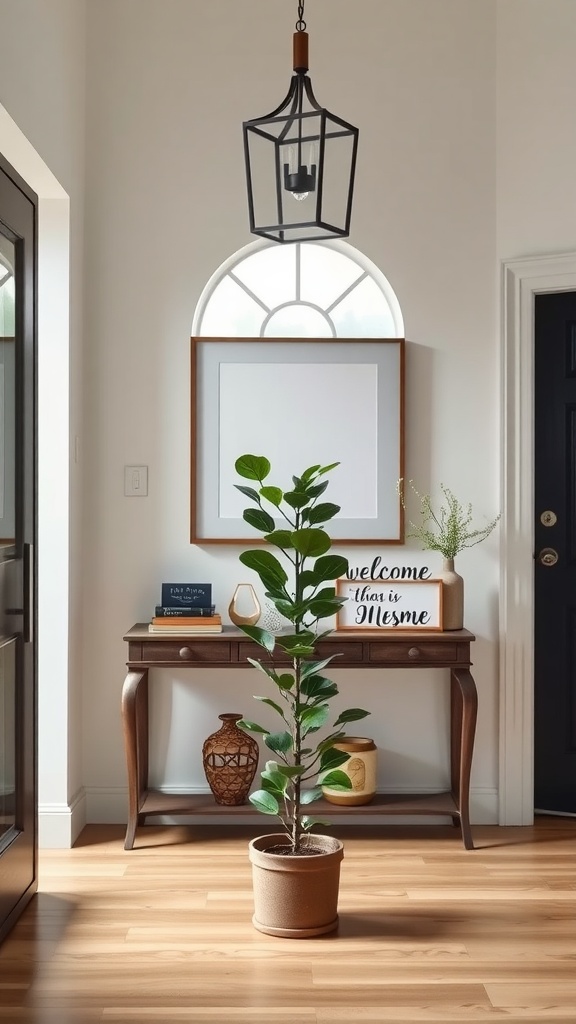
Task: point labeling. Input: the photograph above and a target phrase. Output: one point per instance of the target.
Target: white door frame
(522, 279)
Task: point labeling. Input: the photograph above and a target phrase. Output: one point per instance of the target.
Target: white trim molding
(522, 279)
(60, 824)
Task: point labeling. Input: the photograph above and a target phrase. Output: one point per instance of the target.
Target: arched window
(320, 293)
(302, 290)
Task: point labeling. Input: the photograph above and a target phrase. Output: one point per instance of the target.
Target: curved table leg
(135, 724)
(463, 714)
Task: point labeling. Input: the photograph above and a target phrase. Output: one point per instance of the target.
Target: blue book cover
(190, 595)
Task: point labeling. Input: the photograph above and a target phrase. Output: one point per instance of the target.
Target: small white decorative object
(272, 619)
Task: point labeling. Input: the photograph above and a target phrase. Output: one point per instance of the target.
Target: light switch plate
(136, 481)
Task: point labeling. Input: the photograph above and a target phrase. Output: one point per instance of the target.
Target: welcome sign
(399, 605)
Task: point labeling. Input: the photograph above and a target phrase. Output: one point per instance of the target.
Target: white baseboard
(59, 825)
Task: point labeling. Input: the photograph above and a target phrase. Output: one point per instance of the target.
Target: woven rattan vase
(230, 759)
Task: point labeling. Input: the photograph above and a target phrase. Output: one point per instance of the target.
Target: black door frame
(521, 280)
(26, 544)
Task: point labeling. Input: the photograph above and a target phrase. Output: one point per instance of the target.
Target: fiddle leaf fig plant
(303, 593)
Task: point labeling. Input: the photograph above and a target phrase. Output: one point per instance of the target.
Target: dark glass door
(18, 800)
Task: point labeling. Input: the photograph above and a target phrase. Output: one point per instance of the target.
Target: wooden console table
(362, 649)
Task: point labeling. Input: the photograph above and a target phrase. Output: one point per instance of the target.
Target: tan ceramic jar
(361, 769)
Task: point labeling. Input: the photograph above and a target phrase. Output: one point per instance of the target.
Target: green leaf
(271, 704)
(260, 636)
(281, 538)
(285, 681)
(279, 742)
(271, 787)
(335, 779)
(351, 715)
(286, 608)
(330, 740)
(330, 568)
(311, 543)
(296, 499)
(252, 467)
(317, 489)
(322, 513)
(272, 494)
(291, 770)
(275, 593)
(308, 579)
(308, 796)
(264, 668)
(326, 594)
(310, 668)
(266, 565)
(294, 646)
(259, 519)
(249, 492)
(326, 469)
(333, 758)
(309, 473)
(308, 823)
(318, 686)
(264, 802)
(244, 723)
(323, 609)
(276, 778)
(313, 718)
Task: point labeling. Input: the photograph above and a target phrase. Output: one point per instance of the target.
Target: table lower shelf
(157, 802)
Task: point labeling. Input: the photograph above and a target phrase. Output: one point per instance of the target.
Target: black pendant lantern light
(300, 162)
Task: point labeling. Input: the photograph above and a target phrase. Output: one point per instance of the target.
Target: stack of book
(186, 608)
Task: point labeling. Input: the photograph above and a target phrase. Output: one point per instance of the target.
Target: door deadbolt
(548, 556)
(548, 518)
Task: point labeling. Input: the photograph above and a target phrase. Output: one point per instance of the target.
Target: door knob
(548, 518)
(548, 556)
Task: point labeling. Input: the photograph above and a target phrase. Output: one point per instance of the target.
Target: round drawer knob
(186, 653)
(413, 652)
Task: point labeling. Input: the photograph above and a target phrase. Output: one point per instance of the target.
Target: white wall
(168, 88)
(467, 156)
(42, 55)
(536, 133)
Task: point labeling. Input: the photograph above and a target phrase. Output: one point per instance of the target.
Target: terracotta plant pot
(295, 896)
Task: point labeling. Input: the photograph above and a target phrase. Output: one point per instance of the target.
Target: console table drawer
(348, 654)
(428, 653)
(180, 652)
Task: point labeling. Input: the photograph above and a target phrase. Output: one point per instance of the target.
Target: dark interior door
(17, 535)
(555, 554)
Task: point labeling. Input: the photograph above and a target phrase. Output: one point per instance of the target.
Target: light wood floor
(428, 932)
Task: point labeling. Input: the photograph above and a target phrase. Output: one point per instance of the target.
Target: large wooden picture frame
(299, 402)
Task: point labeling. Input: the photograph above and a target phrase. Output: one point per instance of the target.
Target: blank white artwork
(258, 409)
(298, 403)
